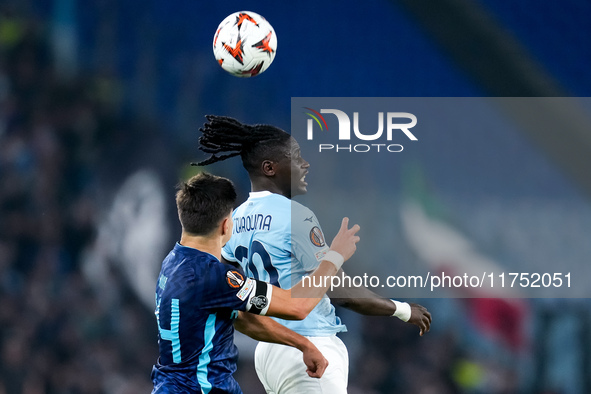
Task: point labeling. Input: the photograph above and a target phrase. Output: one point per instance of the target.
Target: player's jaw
(299, 170)
(298, 183)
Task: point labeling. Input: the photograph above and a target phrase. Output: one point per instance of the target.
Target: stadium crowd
(57, 336)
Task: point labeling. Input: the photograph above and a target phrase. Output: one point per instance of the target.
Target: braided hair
(224, 137)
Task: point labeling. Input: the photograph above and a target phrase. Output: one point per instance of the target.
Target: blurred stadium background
(100, 101)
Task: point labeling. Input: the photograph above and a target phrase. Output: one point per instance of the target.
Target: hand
(345, 241)
(420, 316)
(315, 362)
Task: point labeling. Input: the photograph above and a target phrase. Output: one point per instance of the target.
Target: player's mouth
(303, 179)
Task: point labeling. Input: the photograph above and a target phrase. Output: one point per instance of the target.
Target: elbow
(344, 302)
(297, 312)
(301, 314)
(286, 306)
(352, 304)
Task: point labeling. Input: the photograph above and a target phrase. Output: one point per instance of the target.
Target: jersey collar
(260, 194)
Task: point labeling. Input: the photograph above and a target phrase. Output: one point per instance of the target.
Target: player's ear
(268, 168)
(226, 227)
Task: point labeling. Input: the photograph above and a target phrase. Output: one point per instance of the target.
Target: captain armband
(260, 298)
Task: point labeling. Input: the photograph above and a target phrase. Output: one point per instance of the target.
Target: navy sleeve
(228, 287)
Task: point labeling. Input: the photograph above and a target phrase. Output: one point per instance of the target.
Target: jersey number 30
(247, 257)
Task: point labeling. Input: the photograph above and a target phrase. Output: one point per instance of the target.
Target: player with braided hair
(278, 240)
(223, 134)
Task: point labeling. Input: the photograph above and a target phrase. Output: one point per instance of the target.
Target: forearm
(265, 329)
(367, 306)
(362, 301)
(314, 286)
(296, 303)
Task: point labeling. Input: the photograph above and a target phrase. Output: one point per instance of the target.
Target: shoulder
(215, 276)
(300, 210)
(302, 216)
(277, 201)
(194, 260)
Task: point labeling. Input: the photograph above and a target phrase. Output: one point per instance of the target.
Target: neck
(264, 184)
(211, 245)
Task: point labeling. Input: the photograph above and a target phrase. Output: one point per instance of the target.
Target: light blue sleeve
(307, 239)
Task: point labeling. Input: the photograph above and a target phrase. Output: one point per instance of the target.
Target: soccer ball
(245, 44)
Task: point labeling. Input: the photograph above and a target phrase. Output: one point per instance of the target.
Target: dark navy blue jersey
(197, 298)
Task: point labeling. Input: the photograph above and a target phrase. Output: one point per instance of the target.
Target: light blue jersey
(278, 240)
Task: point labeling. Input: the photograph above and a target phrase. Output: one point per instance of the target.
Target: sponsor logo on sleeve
(234, 279)
(246, 289)
(320, 255)
(317, 237)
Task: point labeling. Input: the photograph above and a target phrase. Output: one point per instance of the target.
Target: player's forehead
(294, 147)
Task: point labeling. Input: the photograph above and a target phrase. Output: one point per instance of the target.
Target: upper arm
(232, 263)
(284, 306)
(228, 287)
(307, 240)
(224, 286)
(266, 299)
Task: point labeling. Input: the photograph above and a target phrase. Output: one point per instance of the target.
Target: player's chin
(299, 189)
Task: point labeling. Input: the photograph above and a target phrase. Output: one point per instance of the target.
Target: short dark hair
(203, 201)
(254, 143)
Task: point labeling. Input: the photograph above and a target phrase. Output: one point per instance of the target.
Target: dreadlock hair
(228, 137)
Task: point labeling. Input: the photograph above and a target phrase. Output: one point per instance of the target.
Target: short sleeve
(225, 287)
(228, 287)
(307, 239)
